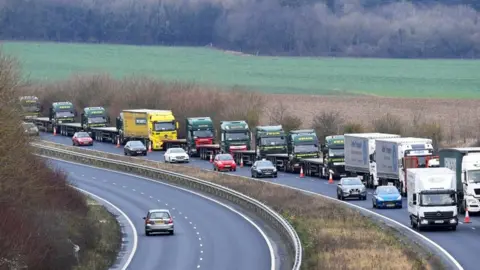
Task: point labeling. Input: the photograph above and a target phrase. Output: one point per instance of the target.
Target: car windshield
(273, 141)
(336, 152)
(177, 150)
(473, 176)
(96, 119)
(352, 181)
(236, 136)
(64, 114)
(202, 134)
(159, 215)
(264, 164)
(136, 144)
(82, 135)
(305, 148)
(225, 157)
(437, 199)
(28, 125)
(387, 190)
(163, 126)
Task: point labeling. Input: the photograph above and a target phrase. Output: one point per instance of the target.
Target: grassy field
(339, 76)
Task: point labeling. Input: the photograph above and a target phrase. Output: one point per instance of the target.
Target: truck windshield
(273, 141)
(64, 114)
(202, 134)
(236, 136)
(96, 119)
(163, 126)
(31, 108)
(445, 199)
(336, 152)
(473, 176)
(305, 148)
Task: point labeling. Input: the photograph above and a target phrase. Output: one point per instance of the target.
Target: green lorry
(234, 136)
(30, 107)
(333, 152)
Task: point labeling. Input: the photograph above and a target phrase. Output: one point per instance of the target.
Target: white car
(176, 155)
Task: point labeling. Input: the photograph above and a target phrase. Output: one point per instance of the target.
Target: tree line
(360, 28)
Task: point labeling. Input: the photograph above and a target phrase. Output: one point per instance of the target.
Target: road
(461, 244)
(207, 235)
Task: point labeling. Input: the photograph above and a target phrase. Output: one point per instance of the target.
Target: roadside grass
(333, 236)
(108, 240)
(287, 75)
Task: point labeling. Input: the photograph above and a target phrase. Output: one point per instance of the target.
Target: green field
(382, 77)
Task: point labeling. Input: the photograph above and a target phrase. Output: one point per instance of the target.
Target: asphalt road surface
(462, 244)
(207, 235)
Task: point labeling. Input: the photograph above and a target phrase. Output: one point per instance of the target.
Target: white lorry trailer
(432, 198)
(359, 155)
(465, 162)
(395, 155)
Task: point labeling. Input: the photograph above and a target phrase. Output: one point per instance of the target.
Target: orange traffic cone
(467, 217)
(241, 162)
(118, 142)
(150, 147)
(54, 131)
(301, 172)
(330, 179)
(211, 158)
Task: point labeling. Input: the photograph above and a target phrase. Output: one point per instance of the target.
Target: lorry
(302, 145)
(30, 107)
(395, 155)
(360, 155)
(59, 113)
(333, 154)
(465, 162)
(432, 200)
(269, 140)
(234, 136)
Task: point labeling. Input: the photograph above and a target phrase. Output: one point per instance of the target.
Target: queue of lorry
(437, 187)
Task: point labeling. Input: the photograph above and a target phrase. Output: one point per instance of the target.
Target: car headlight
(469, 193)
(399, 197)
(379, 198)
(424, 221)
(345, 190)
(471, 201)
(274, 169)
(258, 170)
(453, 221)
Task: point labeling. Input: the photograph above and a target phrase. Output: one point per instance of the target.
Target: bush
(388, 123)
(353, 128)
(327, 123)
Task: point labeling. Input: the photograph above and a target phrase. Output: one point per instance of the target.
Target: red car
(224, 162)
(82, 138)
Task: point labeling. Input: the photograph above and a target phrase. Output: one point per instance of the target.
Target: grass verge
(107, 243)
(333, 236)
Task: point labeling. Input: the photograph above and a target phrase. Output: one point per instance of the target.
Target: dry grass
(40, 214)
(334, 236)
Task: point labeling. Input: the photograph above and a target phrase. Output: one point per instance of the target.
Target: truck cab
(62, 112)
(30, 106)
(234, 136)
(301, 144)
(162, 125)
(94, 117)
(333, 152)
(270, 140)
(465, 162)
(199, 131)
(432, 200)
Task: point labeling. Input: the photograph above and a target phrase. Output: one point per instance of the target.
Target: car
(176, 154)
(263, 168)
(30, 129)
(386, 196)
(135, 148)
(224, 162)
(82, 138)
(351, 187)
(159, 220)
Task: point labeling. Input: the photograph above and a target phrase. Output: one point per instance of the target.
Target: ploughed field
(332, 76)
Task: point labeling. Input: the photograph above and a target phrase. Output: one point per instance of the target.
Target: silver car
(158, 220)
(351, 187)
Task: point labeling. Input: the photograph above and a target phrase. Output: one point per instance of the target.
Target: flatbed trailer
(311, 166)
(172, 143)
(248, 156)
(105, 134)
(205, 150)
(65, 129)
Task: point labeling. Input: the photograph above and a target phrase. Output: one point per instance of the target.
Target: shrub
(327, 123)
(388, 123)
(353, 128)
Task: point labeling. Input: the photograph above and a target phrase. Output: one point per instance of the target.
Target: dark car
(30, 129)
(263, 168)
(135, 148)
(82, 138)
(351, 187)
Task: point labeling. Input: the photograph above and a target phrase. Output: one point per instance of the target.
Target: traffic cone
(211, 158)
(118, 142)
(467, 216)
(54, 131)
(301, 172)
(241, 162)
(330, 179)
(150, 147)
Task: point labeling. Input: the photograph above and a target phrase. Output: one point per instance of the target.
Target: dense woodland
(374, 28)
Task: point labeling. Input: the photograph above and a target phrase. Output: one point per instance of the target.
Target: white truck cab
(432, 198)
